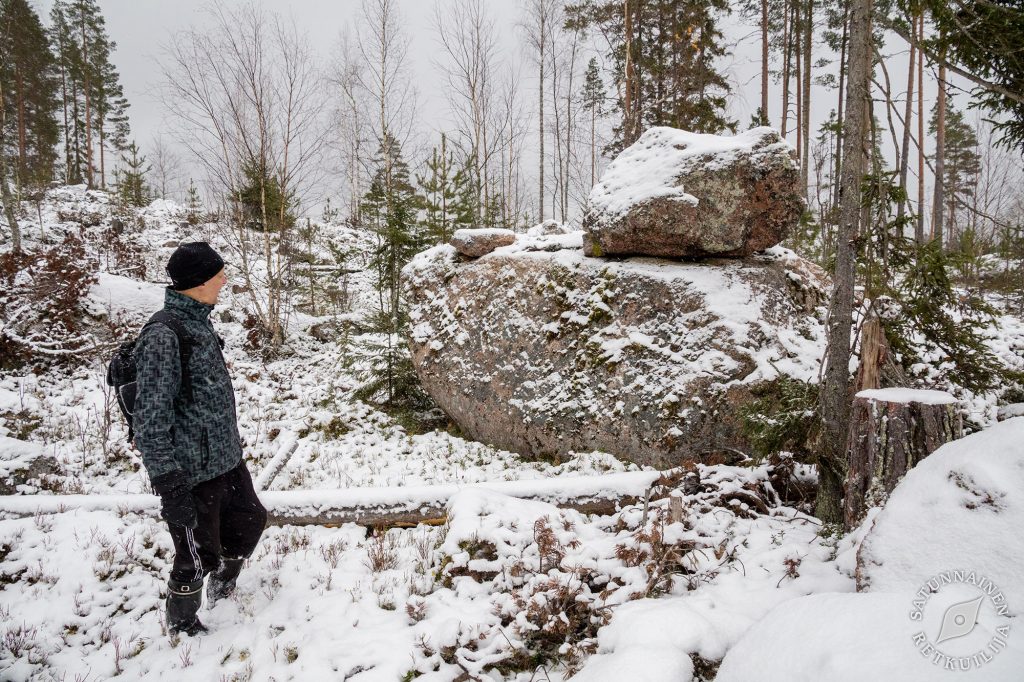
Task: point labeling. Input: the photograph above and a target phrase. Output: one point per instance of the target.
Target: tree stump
(891, 430)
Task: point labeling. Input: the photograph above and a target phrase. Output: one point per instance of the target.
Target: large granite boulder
(538, 349)
(476, 242)
(676, 194)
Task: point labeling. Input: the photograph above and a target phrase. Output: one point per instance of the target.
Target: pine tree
(961, 165)
(93, 99)
(389, 210)
(111, 118)
(131, 178)
(261, 200)
(443, 188)
(662, 54)
(193, 203)
(593, 101)
(979, 41)
(28, 73)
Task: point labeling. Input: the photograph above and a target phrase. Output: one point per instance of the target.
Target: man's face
(208, 291)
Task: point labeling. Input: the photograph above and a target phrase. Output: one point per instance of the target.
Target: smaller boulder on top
(675, 194)
(476, 242)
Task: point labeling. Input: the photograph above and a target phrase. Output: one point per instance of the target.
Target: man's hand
(177, 504)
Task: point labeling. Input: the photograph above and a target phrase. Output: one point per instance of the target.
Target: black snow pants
(231, 520)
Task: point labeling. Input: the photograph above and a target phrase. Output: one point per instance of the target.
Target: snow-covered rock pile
(677, 194)
(539, 349)
(941, 571)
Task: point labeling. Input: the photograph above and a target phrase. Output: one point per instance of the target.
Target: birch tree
(246, 97)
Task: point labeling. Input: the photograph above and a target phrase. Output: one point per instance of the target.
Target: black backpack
(122, 369)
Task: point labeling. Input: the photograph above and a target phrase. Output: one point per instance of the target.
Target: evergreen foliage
(263, 205)
(962, 164)
(983, 39)
(593, 88)
(193, 203)
(444, 188)
(389, 210)
(131, 178)
(781, 418)
(950, 320)
(28, 95)
(91, 96)
(674, 49)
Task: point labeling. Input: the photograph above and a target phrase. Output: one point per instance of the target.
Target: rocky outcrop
(539, 349)
(477, 242)
(676, 194)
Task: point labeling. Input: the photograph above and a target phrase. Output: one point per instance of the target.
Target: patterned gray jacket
(198, 436)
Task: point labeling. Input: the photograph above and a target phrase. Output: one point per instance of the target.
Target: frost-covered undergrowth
(505, 590)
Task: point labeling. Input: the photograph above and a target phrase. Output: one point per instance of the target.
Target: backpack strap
(185, 343)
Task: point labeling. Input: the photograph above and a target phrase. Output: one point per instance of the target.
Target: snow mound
(962, 507)
(949, 534)
(841, 638)
(127, 296)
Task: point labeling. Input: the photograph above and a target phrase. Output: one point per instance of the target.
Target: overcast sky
(142, 27)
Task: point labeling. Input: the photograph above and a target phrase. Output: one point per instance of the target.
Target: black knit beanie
(193, 264)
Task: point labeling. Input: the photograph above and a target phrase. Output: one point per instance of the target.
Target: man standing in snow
(186, 429)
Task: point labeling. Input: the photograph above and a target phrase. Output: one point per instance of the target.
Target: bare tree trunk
(919, 232)
(787, 40)
(22, 140)
(593, 145)
(88, 108)
(5, 190)
(940, 159)
(103, 169)
(764, 63)
(798, 80)
(908, 113)
(834, 401)
(806, 156)
(629, 124)
(540, 116)
(843, 63)
(64, 106)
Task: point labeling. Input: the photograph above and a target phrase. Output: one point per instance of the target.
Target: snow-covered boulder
(686, 195)
(480, 241)
(547, 227)
(539, 349)
(1010, 411)
(20, 462)
(941, 570)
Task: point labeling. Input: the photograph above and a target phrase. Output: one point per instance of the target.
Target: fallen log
(891, 430)
(376, 507)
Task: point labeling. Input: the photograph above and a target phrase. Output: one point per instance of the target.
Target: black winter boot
(222, 581)
(183, 602)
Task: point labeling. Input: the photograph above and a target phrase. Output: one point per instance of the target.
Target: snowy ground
(80, 592)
